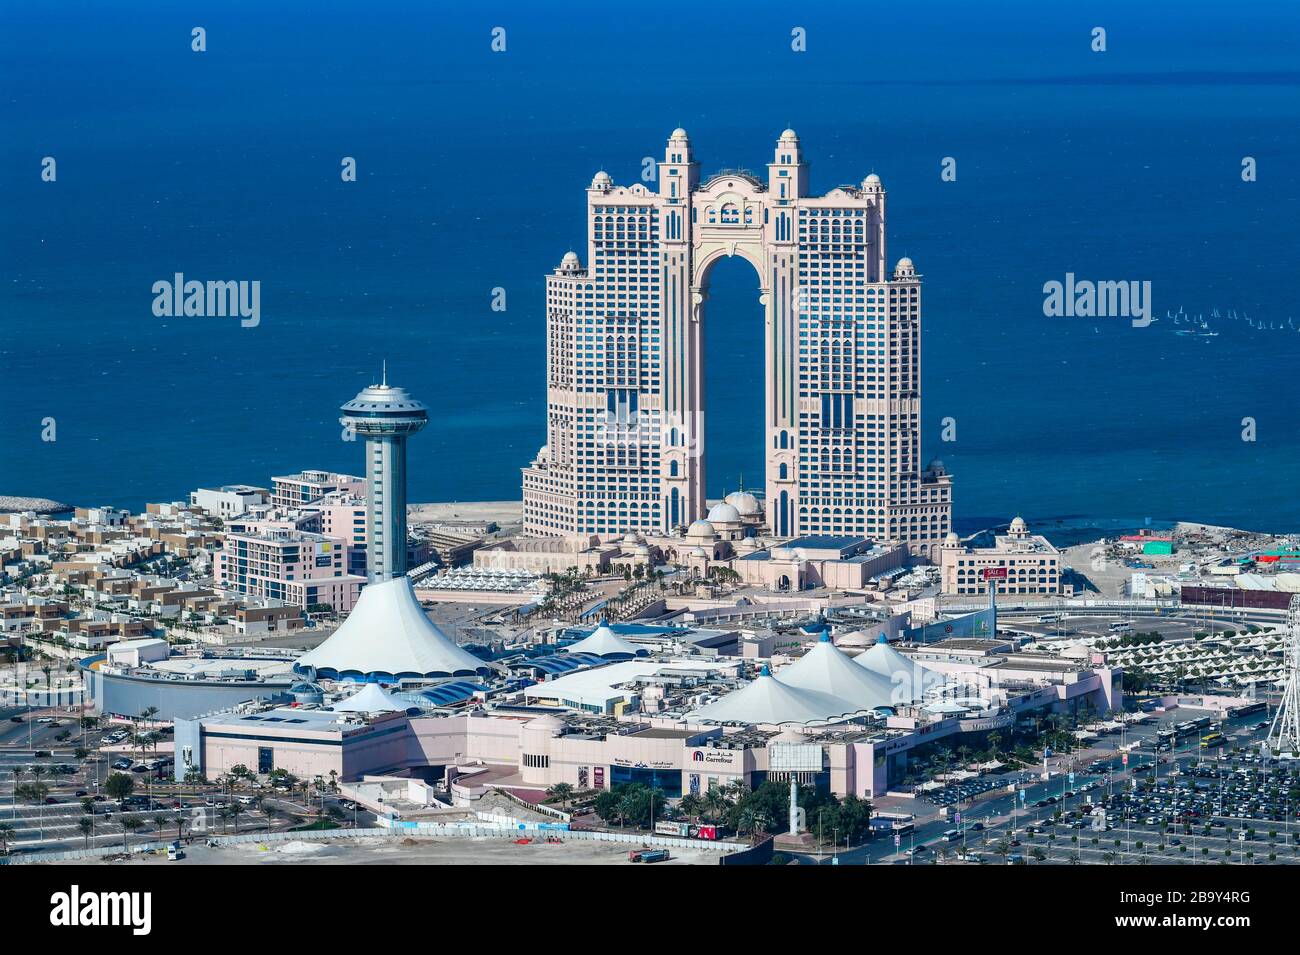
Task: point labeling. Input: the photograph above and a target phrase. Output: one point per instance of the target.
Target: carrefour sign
(714, 757)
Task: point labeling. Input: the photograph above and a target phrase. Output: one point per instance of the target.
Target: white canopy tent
(909, 678)
(769, 701)
(827, 669)
(604, 642)
(388, 634)
(372, 698)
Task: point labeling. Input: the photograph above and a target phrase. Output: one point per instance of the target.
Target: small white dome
(952, 540)
(904, 263)
(699, 552)
(570, 262)
(724, 513)
(701, 529)
(678, 133)
(789, 136)
(1018, 526)
(602, 180)
(547, 724)
(858, 638)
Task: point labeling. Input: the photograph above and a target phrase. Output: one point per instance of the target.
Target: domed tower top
(384, 409)
(787, 174)
(679, 174)
(678, 150)
(904, 269)
(602, 182)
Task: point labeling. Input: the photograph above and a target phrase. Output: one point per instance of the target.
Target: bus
(1212, 739)
(1120, 627)
(952, 835)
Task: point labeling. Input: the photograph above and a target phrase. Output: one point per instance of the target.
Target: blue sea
(472, 166)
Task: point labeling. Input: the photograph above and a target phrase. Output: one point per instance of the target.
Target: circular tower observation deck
(385, 416)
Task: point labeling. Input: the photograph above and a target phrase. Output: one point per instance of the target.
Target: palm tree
(716, 802)
(6, 831)
(234, 811)
(693, 805)
(87, 824)
(563, 792)
(129, 824)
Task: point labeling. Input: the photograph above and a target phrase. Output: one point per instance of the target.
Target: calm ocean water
(473, 165)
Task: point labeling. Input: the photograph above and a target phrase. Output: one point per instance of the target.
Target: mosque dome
(789, 136)
(1018, 526)
(745, 503)
(701, 530)
(698, 552)
(602, 180)
(871, 183)
(678, 133)
(570, 262)
(952, 540)
(724, 513)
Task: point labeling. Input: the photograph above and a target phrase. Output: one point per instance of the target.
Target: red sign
(600, 777)
(994, 573)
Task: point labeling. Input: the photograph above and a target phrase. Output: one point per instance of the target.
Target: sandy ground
(417, 852)
(503, 512)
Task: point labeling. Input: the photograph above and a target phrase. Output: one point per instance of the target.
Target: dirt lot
(418, 852)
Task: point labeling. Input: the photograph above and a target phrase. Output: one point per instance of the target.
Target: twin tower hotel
(842, 360)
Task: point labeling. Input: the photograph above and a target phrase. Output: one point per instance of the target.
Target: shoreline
(14, 503)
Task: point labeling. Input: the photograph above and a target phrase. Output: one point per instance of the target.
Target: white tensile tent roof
(604, 642)
(372, 698)
(769, 701)
(827, 669)
(388, 633)
(901, 672)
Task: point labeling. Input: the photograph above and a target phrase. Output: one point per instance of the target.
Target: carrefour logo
(697, 756)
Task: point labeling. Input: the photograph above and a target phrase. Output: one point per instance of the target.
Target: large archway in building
(731, 218)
